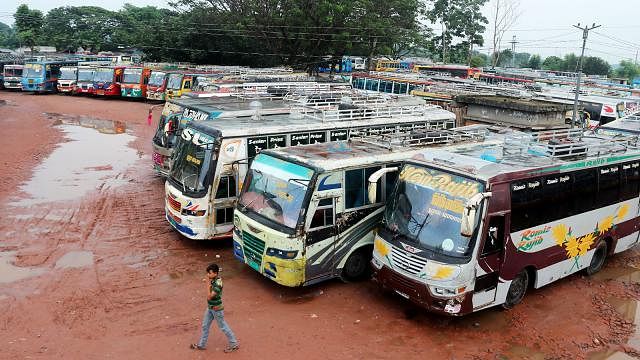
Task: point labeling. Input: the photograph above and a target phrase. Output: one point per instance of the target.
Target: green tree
(628, 70)
(522, 59)
(460, 20)
(553, 63)
(28, 25)
(479, 60)
(8, 38)
(570, 62)
(535, 62)
(593, 65)
(89, 27)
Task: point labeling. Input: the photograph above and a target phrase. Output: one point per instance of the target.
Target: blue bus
(42, 76)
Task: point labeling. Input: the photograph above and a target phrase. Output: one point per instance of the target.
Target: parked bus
(177, 113)
(179, 84)
(459, 71)
(302, 215)
(475, 226)
(211, 157)
(627, 125)
(68, 79)
(84, 84)
(107, 80)
(389, 83)
(12, 76)
(393, 65)
(157, 85)
(42, 76)
(134, 82)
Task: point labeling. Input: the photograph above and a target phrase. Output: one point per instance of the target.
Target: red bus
(107, 79)
(474, 226)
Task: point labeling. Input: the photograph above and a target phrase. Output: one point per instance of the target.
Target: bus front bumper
(286, 272)
(419, 294)
(153, 95)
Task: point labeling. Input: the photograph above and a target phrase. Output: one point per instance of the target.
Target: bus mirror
(469, 213)
(373, 181)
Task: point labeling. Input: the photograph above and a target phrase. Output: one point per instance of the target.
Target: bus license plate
(100, 92)
(402, 294)
(30, 81)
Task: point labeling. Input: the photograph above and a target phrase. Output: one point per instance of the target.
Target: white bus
(302, 216)
(211, 158)
(475, 226)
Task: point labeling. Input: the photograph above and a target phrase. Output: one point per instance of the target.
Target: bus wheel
(357, 266)
(598, 259)
(517, 289)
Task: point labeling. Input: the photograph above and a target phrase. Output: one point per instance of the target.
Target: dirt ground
(89, 269)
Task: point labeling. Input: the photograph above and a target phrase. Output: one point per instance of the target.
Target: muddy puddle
(101, 125)
(88, 160)
(623, 274)
(10, 273)
(75, 259)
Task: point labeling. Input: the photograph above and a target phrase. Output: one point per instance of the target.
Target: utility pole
(513, 43)
(585, 34)
(636, 62)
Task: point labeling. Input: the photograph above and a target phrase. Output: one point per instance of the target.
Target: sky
(544, 26)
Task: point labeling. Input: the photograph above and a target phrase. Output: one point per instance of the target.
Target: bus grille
(407, 261)
(253, 250)
(175, 204)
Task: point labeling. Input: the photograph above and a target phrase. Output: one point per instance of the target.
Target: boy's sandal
(196, 347)
(231, 348)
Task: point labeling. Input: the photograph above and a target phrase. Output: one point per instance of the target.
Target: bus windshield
(157, 78)
(32, 70)
(132, 76)
(104, 75)
(427, 207)
(68, 74)
(85, 75)
(12, 71)
(175, 81)
(275, 190)
(193, 157)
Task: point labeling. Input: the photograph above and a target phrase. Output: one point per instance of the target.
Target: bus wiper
(300, 181)
(184, 187)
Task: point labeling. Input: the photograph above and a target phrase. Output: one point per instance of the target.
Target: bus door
(321, 240)
(490, 259)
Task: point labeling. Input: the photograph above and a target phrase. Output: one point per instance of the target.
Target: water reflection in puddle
(90, 160)
(624, 274)
(522, 352)
(102, 125)
(609, 355)
(75, 259)
(10, 273)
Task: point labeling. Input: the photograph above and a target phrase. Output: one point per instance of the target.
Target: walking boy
(215, 310)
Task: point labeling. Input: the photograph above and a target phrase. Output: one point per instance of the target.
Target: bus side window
(226, 187)
(556, 190)
(527, 206)
(608, 186)
(630, 179)
(494, 240)
(356, 182)
(323, 217)
(584, 190)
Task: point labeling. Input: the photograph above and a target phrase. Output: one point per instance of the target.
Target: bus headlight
(441, 272)
(282, 254)
(193, 212)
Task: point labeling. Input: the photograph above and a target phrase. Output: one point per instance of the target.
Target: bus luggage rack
(433, 133)
(563, 144)
(372, 113)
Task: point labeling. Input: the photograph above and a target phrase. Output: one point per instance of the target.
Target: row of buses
(453, 219)
(127, 81)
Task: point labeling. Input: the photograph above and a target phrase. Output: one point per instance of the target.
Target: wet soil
(89, 269)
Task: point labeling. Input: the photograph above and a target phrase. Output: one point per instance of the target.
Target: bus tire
(517, 289)
(598, 259)
(357, 266)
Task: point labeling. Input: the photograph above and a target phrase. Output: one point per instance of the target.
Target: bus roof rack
(430, 134)
(362, 113)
